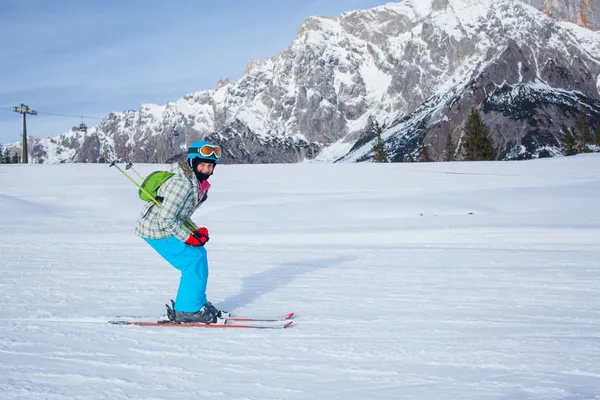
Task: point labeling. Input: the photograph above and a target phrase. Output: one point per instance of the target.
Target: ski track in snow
(409, 281)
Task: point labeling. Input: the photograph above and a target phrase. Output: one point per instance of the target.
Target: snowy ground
(410, 281)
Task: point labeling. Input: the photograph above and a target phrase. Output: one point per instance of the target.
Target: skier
(168, 230)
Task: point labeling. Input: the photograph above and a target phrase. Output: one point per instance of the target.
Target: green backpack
(149, 188)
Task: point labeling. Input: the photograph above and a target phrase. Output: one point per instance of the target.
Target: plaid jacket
(181, 200)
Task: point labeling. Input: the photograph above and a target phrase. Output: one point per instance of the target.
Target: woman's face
(205, 168)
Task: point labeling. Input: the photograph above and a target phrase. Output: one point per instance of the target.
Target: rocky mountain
(527, 73)
(585, 13)
(416, 66)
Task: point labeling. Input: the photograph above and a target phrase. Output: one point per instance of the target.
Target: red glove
(198, 238)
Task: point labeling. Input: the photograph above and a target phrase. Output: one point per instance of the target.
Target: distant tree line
(476, 142)
(6, 157)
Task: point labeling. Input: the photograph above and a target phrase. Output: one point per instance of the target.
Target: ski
(198, 325)
(281, 318)
(261, 319)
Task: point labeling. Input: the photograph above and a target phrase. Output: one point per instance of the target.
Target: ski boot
(220, 314)
(208, 314)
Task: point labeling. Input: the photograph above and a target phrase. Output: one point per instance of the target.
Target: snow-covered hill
(426, 281)
(416, 66)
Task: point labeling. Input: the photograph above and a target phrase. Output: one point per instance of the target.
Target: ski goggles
(206, 151)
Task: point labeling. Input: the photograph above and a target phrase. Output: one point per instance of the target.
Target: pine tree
(6, 156)
(583, 127)
(569, 143)
(379, 153)
(1, 154)
(423, 152)
(15, 158)
(598, 133)
(477, 144)
(449, 149)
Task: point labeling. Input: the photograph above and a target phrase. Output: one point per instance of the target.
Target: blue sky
(88, 58)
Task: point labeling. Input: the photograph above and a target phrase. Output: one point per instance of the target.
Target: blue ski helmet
(205, 151)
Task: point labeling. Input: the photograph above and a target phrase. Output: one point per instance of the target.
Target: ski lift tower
(23, 109)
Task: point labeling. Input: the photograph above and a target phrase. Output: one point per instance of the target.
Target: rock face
(585, 13)
(417, 67)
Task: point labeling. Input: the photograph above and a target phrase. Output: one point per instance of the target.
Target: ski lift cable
(58, 114)
(69, 115)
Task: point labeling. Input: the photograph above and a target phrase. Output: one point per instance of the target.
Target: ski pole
(114, 164)
(188, 221)
(129, 165)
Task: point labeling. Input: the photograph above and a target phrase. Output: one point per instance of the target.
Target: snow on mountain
(527, 73)
(416, 66)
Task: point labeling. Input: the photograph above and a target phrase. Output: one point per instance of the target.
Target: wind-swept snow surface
(410, 281)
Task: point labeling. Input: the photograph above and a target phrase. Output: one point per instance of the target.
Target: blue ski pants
(193, 264)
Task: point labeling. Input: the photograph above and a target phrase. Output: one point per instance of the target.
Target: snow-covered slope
(416, 66)
(425, 281)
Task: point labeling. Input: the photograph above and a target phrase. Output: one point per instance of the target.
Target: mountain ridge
(414, 66)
